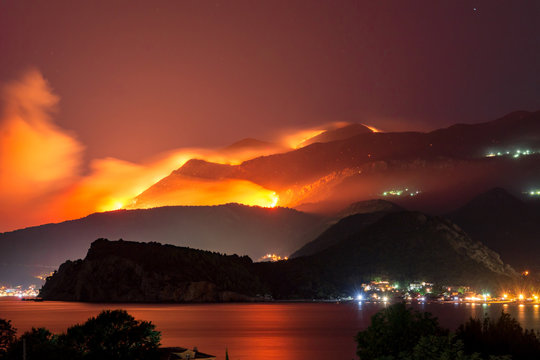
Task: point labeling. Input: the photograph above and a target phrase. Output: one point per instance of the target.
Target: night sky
(102, 99)
(136, 78)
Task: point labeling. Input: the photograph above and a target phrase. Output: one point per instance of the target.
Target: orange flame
(374, 129)
(272, 258)
(40, 166)
(41, 180)
(297, 140)
(195, 191)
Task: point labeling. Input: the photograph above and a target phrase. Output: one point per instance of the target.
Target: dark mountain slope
(404, 246)
(520, 129)
(231, 228)
(340, 133)
(248, 144)
(369, 206)
(363, 166)
(122, 271)
(353, 219)
(505, 224)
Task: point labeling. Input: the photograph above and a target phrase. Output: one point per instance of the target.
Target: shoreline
(292, 301)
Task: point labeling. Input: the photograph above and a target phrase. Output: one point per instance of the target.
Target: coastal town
(386, 291)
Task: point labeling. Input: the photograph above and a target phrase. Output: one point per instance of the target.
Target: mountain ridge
(400, 246)
(370, 163)
(231, 228)
(505, 223)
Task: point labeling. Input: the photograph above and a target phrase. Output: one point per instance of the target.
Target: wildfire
(374, 129)
(197, 191)
(42, 167)
(297, 140)
(273, 258)
(274, 200)
(44, 276)
(110, 206)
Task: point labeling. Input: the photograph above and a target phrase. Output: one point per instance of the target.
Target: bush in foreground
(111, 335)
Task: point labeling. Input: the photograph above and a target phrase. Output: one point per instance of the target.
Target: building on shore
(176, 353)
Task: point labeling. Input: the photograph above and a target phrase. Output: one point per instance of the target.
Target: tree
(505, 336)
(440, 348)
(39, 343)
(113, 335)
(394, 332)
(7, 335)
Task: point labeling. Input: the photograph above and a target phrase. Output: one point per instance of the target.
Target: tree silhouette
(7, 335)
(503, 336)
(395, 331)
(113, 335)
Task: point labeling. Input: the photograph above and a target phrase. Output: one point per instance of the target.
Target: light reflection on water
(288, 331)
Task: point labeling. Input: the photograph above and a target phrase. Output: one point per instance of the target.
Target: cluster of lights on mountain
(400, 192)
(512, 153)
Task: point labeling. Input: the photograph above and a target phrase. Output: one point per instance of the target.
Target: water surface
(287, 331)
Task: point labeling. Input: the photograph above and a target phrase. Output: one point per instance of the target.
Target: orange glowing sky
(42, 178)
(102, 99)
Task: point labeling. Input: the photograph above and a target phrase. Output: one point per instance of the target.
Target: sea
(286, 331)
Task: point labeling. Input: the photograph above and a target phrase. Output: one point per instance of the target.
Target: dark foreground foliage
(401, 333)
(500, 337)
(7, 335)
(111, 335)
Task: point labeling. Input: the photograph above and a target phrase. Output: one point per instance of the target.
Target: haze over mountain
(230, 229)
(402, 246)
(445, 166)
(339, 133)
(243, 148)
(505, 224)
(352, 219)
(434, 171)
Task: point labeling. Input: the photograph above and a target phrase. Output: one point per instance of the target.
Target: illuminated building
(400, 192)
(514, 154)
(171, 353)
